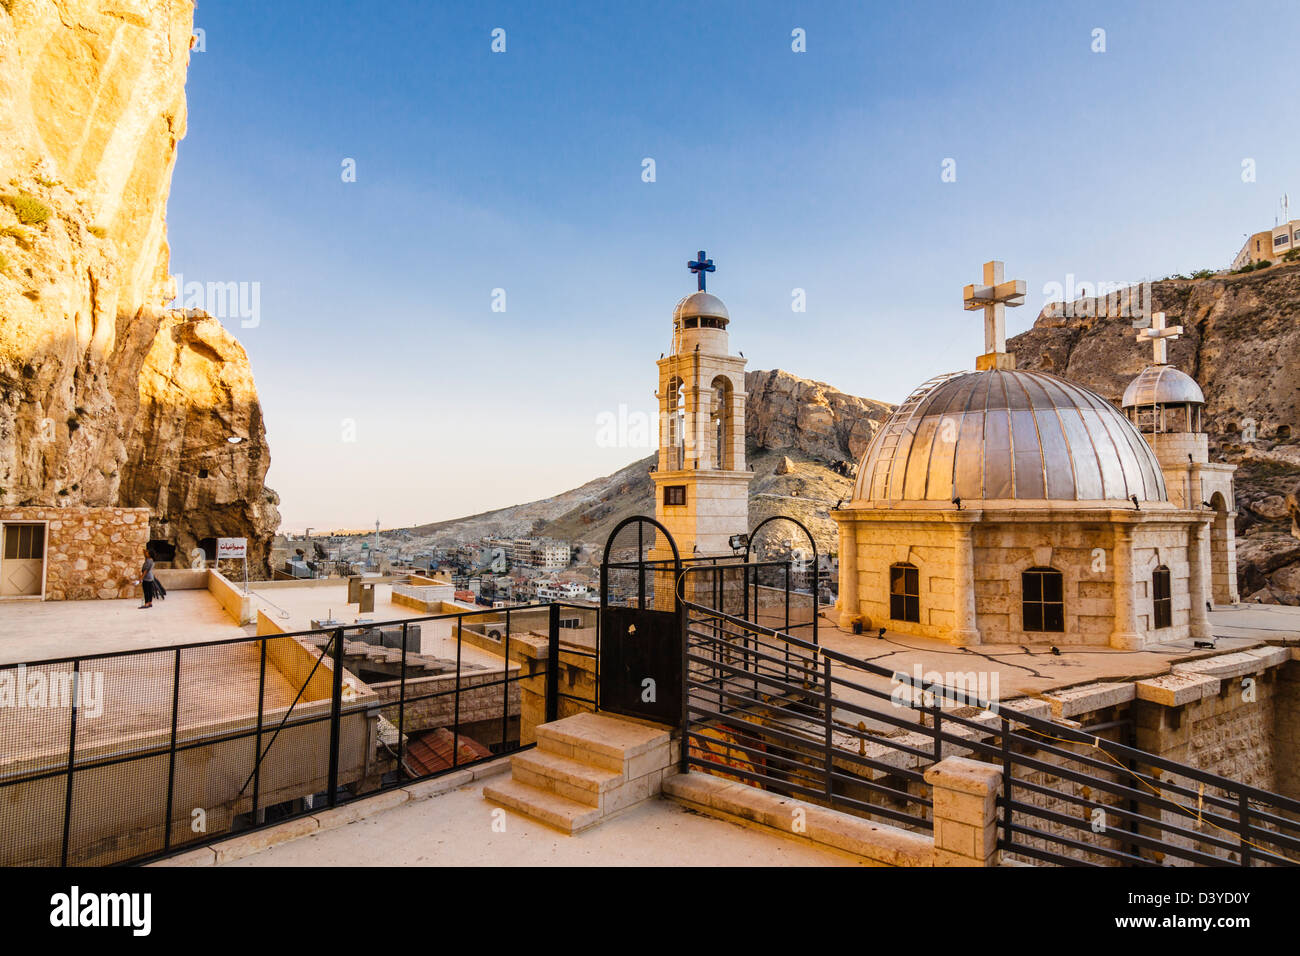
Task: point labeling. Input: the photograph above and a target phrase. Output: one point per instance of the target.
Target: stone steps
(583, 769)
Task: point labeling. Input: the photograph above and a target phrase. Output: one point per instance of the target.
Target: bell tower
(1166, 406)
(702, 480)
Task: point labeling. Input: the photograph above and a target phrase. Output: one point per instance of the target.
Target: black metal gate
(641, 623)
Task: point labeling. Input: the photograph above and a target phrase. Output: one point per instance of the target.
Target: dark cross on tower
(700, 266)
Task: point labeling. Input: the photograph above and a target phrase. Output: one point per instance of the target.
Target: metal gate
(641, 623)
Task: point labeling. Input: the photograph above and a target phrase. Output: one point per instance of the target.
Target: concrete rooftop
(1029, 670)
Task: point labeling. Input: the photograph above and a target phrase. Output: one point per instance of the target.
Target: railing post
(1243, 825)
(336, 716)
(826, 695)
(72, 757)
(505, 686)
(786, 629)
(171, 751)
(257, 753)
(401, 708)
(553, 664)
(938, 729)
(455, 720)
(683, 758)
(1006, 782)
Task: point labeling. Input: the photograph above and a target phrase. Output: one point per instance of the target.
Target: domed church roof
(1003, 434)
(1162, 385)
(701, 304)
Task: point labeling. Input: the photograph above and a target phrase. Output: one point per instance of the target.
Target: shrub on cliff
(29, 210)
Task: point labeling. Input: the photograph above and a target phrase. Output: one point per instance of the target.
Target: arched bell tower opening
(723, 415)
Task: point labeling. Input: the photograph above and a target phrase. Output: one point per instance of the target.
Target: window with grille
(674, 494)
(1043, 599)
(24, 541)
(904, 593)
(1164, 604)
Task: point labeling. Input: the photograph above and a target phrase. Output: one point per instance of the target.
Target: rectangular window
(1043, 603)
(674, 494)
(1279, 240)
(904, 593)
(1160, 593)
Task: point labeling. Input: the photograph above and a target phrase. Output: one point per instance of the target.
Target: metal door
(641, 623)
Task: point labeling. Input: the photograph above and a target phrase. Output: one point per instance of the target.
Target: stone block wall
(90, 553)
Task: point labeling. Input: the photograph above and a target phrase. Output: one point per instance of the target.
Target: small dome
(1003, 434)
(1162, 385)
(699, 304)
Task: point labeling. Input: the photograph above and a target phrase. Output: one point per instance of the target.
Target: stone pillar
(1125, 636)
(966, 629)
(848, 573)
(965, 811)
(1198, 582)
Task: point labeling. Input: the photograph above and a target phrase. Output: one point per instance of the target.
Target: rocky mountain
(108, 398)
(1241, 337)
(803, 439)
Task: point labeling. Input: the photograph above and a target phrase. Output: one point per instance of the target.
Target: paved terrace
(39, 630)
(456, 829)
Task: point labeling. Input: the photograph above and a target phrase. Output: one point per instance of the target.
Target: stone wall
(89, 552)
(1082, 545)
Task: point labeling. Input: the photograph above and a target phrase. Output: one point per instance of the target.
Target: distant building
(562, 591)
(1270, 244)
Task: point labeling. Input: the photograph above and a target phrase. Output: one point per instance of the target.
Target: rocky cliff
(803, 439)
(109, 398)
(1241, 336)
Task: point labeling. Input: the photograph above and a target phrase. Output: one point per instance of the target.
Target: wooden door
(22, 560)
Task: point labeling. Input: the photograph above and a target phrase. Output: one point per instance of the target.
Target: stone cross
(993, 296)
(700, 266)
(1158, 334)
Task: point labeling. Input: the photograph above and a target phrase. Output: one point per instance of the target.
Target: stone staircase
(585, 768)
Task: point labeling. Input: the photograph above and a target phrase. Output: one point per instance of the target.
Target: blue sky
(817, 170)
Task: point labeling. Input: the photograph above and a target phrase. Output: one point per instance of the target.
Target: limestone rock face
(1240, 338)
(788, 412)
(103, 392)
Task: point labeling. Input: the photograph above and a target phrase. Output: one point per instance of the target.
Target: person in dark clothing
(147, 579)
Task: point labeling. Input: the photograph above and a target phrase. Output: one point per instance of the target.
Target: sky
(455, 270)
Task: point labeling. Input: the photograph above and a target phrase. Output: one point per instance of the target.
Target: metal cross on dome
(1159, 335)
(700, 266)
(992, 297)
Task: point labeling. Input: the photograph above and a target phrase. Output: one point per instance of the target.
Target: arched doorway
(639, 642)
(1222, 567)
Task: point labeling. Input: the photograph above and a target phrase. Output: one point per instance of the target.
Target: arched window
(904, 593)
(1043, 599)
(722, 424)
(1164, 604)
(676, 406)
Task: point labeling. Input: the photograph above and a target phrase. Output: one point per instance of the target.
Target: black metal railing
(129, 756)
(781, 713)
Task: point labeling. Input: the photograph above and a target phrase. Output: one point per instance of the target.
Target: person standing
(147, 579)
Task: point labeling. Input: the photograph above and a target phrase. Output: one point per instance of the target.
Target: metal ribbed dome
(1162, 385)
(701, 304)
(1004, 434)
